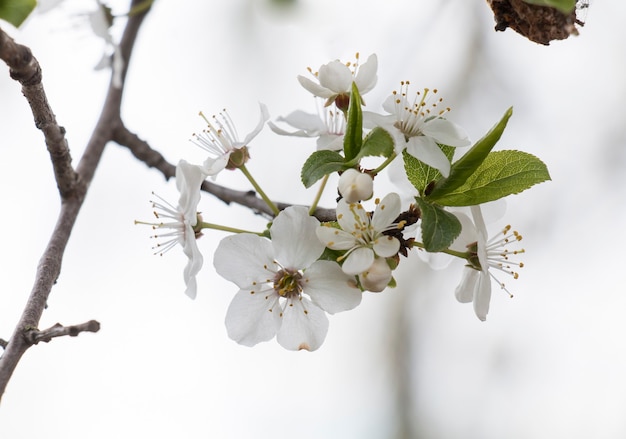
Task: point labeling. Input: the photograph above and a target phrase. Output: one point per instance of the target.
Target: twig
(58, 330)
(50, 264)
(154, 159)
(25, 69)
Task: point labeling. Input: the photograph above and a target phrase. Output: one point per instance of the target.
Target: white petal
(330, 288)
(425, 149)
(305, 121)
(194, 264)
(335, 239)
(482, 296)
(366, 76)
(245, 260)
(253, 317)
(314, 88)
(469, 234)
(265, 115)
(189, 178)
(335, 76)
(294, 238)
(358, 261)
(351, 216)
(479, 222)
(377, 277)
(386, 246)
(215, 165)
(465, 290)
(445, 132)
(330, 142)
(386, 211)
(304, 326)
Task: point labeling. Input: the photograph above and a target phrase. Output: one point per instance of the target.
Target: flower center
(287, 283)
(412, 117)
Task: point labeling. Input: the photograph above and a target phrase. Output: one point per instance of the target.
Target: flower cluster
(299, 268)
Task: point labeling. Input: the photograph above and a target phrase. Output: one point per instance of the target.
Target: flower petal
(358, 261)
(194, 264)
(482, 295)
(305, 121)
(265, 115)
(314, 88)
(386, 246)
(294, 238)
(335, 76)
(426, 149)
(215, 165)
(304, 326)
(245, 260)
(253, 317)
(351, 216)
(366, 76)
(386, 212)
(330, 288)
(464, 292)
(335, 239)
(189, 178)
(445, 132)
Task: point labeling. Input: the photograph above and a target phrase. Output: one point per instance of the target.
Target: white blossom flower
(181, 220)
(355, 186)
(329, 127)
(361, 235)
(486, 254)
(221, 141)
(335, 79)
(419, 127)
(284, 289)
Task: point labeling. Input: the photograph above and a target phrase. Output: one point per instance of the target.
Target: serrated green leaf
(319, 164)
(439, 227)
(467, 165)
(502, 173)
(353, 138)
(565, 6)
(378, 142)
(16, 11)
(419, 173)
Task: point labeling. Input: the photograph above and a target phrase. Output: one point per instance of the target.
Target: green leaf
(502, 173)
(419, 173)
(467, 165)
(319, 164)
(378, 142)
(353, 139)
(565, 6)
(439, 227)
(16, 11)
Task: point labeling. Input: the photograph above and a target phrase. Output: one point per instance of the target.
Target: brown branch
(58, 330)
(49, 266)
(25, 69)
(154, 159)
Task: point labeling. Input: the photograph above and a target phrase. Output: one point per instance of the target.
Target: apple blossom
(221, 141)
(329, 127)
(284, 289)
(355, 186)
(363, 237)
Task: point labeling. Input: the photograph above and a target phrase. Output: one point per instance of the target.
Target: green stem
(462, 255)
(204, 225)
(383, 165)
(256, 186)
(318, 195)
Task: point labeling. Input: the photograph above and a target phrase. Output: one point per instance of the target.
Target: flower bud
(377, 277)
(355, 186)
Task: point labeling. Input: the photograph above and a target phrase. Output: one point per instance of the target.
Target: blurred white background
(410, 362)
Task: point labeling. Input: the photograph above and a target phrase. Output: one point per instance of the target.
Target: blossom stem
(256, 186)
(318, 195)
(462, 255)
(204, 225)
(383, 165)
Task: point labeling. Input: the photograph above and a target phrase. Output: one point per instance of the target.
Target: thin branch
(58, 330)
(154, 159)
(49, 266)
(25, 69)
